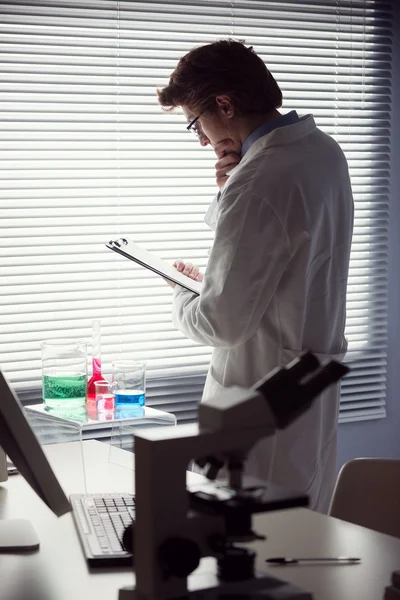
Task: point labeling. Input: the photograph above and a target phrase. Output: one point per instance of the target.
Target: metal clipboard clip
(120, 243)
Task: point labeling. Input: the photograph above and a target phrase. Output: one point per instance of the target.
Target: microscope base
(268, 588)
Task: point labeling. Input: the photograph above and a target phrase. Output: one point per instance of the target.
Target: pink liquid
(97, 376)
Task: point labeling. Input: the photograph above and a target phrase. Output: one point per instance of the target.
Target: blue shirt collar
(289, 119)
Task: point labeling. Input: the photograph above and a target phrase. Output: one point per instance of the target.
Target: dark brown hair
(224, 67)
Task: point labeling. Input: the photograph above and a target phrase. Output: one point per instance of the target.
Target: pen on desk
(282, 560)
(11, 468)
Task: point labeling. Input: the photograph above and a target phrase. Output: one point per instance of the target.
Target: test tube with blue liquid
(129, 383)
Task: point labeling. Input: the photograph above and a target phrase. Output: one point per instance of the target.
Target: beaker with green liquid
(64, 373)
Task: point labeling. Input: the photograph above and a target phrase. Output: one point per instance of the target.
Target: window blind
(88, 155)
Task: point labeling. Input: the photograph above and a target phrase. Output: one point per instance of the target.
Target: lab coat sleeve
(249, 255)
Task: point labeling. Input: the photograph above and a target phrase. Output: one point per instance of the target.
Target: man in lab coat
(275, 283)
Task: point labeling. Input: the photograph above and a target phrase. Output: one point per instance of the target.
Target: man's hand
(188, 269)
(228, 155)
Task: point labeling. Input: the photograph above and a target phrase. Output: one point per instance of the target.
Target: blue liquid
(129, 398)
(129, 412)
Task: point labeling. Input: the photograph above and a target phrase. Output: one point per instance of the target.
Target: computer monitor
(20, 443)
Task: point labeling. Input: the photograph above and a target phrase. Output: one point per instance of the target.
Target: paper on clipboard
(129, 249)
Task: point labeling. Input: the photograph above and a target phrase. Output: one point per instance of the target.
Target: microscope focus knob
(179, 556)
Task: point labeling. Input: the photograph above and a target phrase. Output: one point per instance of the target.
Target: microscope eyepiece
(291, 390)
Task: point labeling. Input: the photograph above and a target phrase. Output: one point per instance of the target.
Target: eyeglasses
(194, 126)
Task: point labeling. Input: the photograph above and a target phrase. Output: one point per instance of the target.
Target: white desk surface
(59, 572)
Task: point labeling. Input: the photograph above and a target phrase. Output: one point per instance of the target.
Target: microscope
(178, 525)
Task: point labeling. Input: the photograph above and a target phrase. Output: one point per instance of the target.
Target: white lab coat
(275, 285)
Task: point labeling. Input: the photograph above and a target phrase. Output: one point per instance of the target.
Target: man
(275, 283)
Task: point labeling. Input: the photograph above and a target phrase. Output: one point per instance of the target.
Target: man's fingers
(228, 163)
(199, 277)
(232, 157)
(222, 171)
(171, 284)
(223, 166)
(179, 265)
(228, 158)
(194, 272)
(221, 174)
(188, 269)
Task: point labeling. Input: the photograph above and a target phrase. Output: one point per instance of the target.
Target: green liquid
(64, 391)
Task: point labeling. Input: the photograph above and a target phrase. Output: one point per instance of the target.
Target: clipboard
(131, 250)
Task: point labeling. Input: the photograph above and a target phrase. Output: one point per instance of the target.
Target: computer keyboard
(101, 520)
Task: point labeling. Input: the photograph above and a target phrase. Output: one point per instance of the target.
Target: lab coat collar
(282, 136)
(280, 121)
(279, 137)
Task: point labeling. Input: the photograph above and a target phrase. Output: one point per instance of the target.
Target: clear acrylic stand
(56, 429)
(115, 427)
(129, 419)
